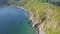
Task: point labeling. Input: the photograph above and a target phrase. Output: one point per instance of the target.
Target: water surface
(14, 20)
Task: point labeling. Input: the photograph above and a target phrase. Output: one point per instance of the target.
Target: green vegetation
(41, 8)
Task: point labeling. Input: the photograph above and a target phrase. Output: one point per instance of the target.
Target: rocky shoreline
(34, 23)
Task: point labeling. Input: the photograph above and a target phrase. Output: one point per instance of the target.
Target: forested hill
(48, 9)
(23, 2)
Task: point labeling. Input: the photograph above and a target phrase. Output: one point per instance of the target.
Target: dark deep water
(14, 20)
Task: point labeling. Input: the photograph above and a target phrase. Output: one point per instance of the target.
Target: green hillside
(40, 9)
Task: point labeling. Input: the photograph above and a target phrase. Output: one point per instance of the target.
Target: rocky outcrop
(35, 22)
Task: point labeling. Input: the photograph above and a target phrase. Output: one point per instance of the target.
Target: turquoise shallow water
(14, 20)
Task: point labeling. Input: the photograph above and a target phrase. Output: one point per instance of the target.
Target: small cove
(14, 20)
